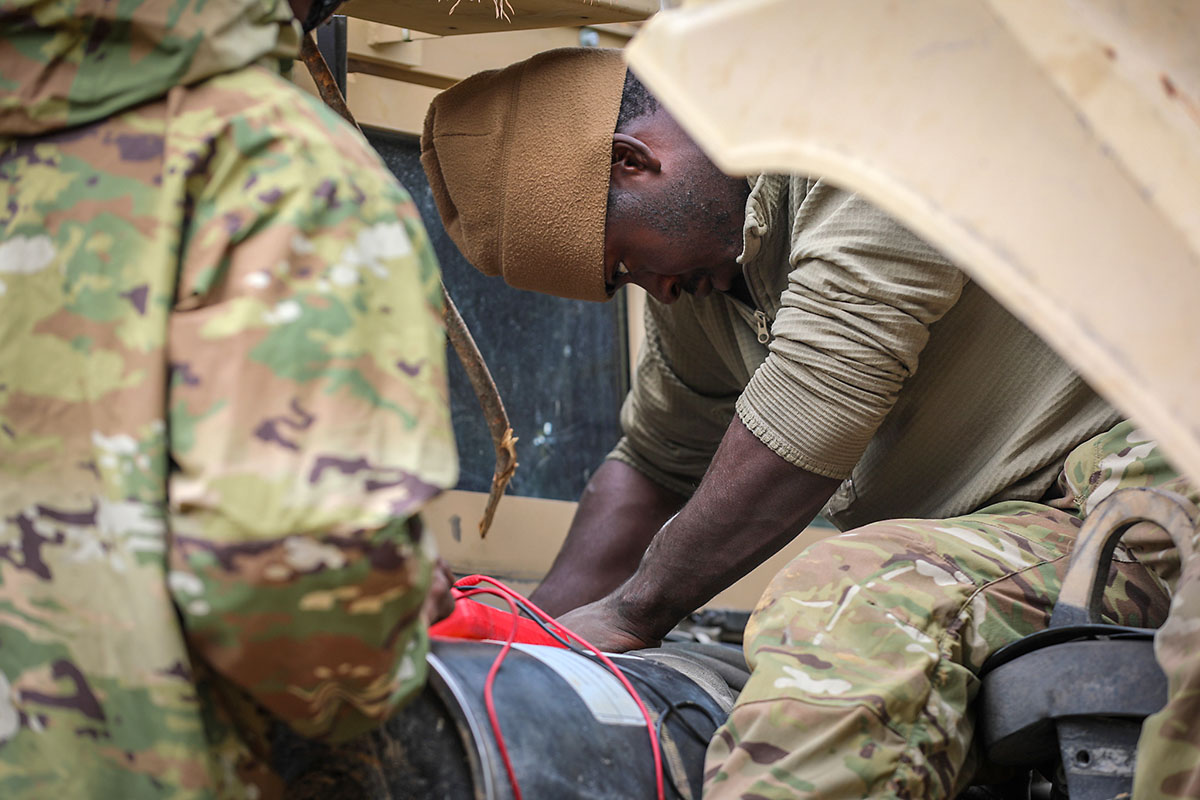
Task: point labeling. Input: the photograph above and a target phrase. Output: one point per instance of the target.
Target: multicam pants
(866, 648)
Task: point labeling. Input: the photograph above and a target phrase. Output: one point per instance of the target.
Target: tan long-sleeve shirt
(884, 366)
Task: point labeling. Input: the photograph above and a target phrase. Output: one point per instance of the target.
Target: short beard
(713, 202)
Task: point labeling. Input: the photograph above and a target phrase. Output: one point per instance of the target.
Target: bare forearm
(619, 513)
(750, 503)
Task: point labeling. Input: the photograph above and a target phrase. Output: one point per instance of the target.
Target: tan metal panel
(388, 104)
(478, 16)
(1005, 134)
(1134, 73)
(439, 62)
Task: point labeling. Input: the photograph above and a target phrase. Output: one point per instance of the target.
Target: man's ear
(631, 155)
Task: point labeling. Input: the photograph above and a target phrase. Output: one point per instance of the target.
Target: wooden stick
(456, 329)
(322, 76)
(489, 400)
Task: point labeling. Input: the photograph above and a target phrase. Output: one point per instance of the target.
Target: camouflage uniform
(222, 402)
(1168, 758)
(866, 648)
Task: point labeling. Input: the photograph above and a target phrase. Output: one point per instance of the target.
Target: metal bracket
(1079, 601)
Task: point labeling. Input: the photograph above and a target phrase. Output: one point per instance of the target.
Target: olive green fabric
(222, 402)
(885, 366)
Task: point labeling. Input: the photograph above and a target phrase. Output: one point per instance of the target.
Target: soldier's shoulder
(264, 115)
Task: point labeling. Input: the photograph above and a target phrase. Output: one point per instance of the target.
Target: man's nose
(665, 288)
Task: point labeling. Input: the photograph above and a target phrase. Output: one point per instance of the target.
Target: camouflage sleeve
(309, 416)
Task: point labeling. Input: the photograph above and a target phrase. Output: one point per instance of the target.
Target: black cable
(669, 772)
(659, 731)
(528, 613)
(667, 709)
(516, 601)
(668, 706)
(542, 624)
(675, 707)
(663, 700)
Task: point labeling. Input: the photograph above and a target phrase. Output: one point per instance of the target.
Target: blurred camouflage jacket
(222, 397)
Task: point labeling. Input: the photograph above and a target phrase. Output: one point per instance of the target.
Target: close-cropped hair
(636, 101)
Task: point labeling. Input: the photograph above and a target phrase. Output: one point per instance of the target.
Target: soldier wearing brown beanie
(804, 352)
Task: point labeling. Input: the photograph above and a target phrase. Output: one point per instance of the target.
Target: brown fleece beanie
(519, 161)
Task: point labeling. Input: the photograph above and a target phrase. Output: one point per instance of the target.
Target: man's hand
(604, 627)
(619, 513)
(750, 503)
(439, 603)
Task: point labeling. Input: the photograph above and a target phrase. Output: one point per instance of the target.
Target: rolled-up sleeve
(860, 297)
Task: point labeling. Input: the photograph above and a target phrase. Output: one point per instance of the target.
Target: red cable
(511, 597)
(488, 699)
